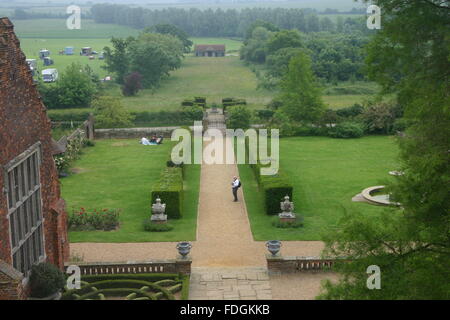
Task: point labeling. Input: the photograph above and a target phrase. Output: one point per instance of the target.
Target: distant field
(342, 101)
(214, 78)
(57, 29)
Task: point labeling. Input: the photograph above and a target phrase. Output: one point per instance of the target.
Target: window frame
(21, 204)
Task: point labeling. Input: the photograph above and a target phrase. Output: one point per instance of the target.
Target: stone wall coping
(131, 262)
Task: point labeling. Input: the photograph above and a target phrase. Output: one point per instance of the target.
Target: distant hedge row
(169, 188)
(274, 188)
(195, 102)
(178, 117)
(228, 102)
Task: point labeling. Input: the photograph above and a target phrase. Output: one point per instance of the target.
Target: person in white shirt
(235, 185)
(145, 141)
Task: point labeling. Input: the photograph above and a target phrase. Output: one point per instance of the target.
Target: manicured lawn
(326, 173)
(120, 174)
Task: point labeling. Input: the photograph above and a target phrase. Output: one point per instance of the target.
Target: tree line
(335, 57)
(224, 23)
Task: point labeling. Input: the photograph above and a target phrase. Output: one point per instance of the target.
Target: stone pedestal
(159, 218)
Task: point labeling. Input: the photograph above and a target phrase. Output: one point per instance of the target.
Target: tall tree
(173, 31)
(117, 59)
(300, 95)
(410, 245)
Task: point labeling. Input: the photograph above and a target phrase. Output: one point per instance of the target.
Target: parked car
(48, 61)
(49, 75)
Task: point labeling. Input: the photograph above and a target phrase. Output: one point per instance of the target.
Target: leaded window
(25, 209)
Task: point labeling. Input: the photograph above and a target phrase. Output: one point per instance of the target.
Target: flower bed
(82, 220)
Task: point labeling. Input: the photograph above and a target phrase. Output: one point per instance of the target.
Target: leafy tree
(173, 31)
(411, 245)
(110, 113)
(284, 39)
(154, 56)
(299, 92)
(74, 88)
(132, 84)
(379, 117)
(117, 59)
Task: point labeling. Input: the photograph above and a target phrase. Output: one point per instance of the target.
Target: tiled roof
(209, 47)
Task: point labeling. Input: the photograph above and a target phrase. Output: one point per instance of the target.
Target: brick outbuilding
(32, 213)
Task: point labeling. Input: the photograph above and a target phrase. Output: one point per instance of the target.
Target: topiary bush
(45, 280)
(347, 130)
(169, 189)
(274, 189)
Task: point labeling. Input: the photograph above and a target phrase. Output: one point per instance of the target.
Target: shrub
(350, 112)
(105, 219)
(306, 130)
(379, 118)
(265, 114)
(68, 115)
(169, 189)
(110, 113)
(132, 84)
(156, 227)
(75, 88)
(239, 117)
(46, 279)
(347, 130)
(88, 143)
(401, 125)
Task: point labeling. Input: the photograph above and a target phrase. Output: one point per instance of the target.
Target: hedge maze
(130, 287)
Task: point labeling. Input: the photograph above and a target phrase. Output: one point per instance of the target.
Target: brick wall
(23, 122)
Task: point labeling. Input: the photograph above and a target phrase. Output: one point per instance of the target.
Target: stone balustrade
(280, 264)
(154, 266)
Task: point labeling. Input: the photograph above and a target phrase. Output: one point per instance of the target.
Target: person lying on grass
(153, 141)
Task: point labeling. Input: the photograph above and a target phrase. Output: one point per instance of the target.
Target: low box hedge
(169, 189)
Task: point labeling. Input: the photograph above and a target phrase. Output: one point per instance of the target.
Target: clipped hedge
(169, 189)
(184, 116)
(194, 102)
(228, 102)
(274, 189)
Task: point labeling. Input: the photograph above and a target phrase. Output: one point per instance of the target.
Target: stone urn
(184, 248)
(158, 210)
(273, 246)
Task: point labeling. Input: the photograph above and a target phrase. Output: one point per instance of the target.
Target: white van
(49, 75)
